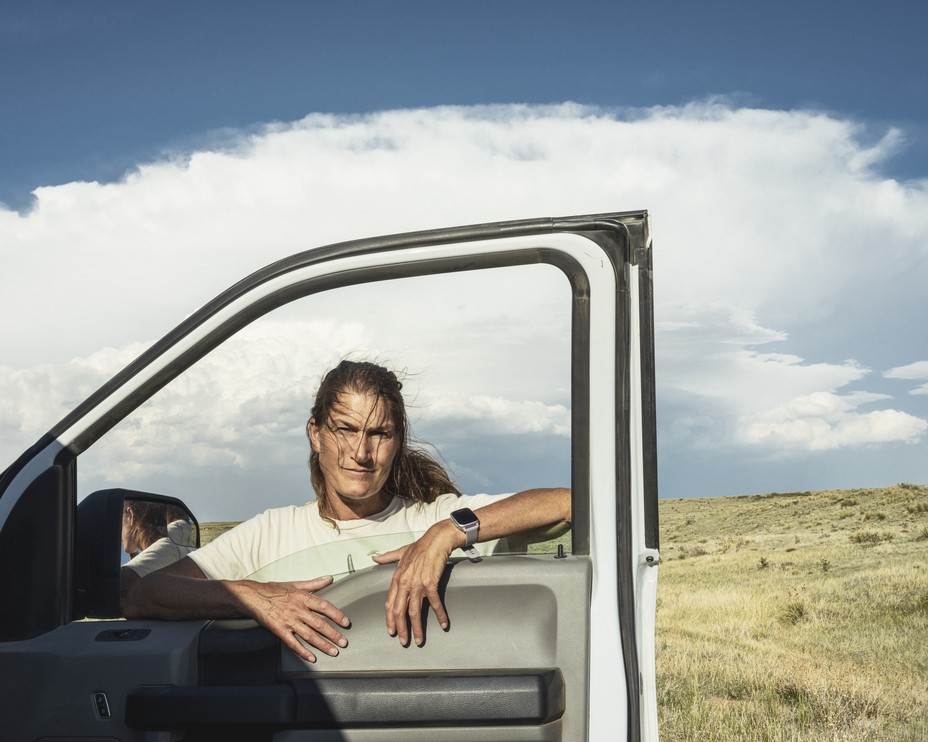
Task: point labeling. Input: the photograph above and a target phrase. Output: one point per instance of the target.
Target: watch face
(465, 517)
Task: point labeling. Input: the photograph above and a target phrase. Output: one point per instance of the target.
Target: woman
(153, 538)
(368, 481)
(143, 523)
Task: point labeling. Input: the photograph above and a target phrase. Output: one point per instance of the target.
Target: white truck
(543, 646)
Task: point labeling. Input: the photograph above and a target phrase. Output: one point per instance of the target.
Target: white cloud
(731, 394)
(769, 227)
(917, 371)
(242, 409)
(823, 421)
(33, 398)
(500, 415)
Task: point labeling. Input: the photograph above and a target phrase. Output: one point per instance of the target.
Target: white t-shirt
(281, 544)
(159, 554)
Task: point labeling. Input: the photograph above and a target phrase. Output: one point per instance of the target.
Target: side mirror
(108, 521)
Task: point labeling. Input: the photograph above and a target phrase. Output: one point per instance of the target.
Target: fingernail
(333, 651)
(346, 622)
(444, 626)
(343, 642)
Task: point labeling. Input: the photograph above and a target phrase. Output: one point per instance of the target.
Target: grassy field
(799, 616)
(793, 617)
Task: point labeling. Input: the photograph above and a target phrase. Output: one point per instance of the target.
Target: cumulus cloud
(33, 398)
(917, 371)
(740, 395)
(768, 227)
(500, 415)
(241, 411)
(824, 421)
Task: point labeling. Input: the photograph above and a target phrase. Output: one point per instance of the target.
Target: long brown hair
(415, 475)
(149, 523)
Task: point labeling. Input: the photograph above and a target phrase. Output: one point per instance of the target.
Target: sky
(152, 154)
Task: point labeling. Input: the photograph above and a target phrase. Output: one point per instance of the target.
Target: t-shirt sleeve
(236, 553)
(160, 554)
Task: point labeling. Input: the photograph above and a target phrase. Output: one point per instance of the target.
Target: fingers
(393, 618)
(296, 646)
(315, 631)
(406, 607)
(299, 618)
(401, 609)
(438, 608)
(389, 557)
(313, 585)
(311, 626)
(320, 605)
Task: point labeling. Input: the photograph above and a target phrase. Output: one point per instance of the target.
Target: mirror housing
(98, 547)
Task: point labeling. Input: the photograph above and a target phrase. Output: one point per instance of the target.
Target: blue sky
(782, 149)
(90, 89)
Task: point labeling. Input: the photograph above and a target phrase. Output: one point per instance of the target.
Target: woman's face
(356, 448)
(128, 542)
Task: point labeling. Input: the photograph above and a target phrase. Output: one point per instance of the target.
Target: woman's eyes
(345, 430)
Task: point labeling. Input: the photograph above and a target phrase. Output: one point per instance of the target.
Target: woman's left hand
(415, 581)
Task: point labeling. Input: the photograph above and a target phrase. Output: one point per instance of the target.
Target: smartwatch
(467, 521)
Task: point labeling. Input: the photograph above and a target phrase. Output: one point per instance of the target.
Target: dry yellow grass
(209, 531)
(797, 616)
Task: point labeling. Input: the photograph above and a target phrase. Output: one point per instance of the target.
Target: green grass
(791, 617)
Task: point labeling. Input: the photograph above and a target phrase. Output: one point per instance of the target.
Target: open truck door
(542, 646)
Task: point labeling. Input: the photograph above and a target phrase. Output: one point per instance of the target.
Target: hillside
(799, 616)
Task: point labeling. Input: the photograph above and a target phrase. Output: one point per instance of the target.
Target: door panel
(55, 679)
(511, 666)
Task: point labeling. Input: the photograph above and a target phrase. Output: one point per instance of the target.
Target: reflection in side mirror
(113, 525)
(145, 522)
(155, 534)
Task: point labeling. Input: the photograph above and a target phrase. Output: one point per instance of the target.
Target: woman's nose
(362, 449)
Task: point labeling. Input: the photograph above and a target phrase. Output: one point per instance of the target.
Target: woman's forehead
(368, 410)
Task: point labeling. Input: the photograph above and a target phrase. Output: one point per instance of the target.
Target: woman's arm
(290, 610)
(420, 564)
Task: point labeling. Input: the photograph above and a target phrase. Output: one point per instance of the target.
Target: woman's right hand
(292, 612)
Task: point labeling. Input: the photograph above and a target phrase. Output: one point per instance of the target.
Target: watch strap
(471, 552)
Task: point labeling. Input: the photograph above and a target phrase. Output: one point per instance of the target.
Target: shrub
(871, 537)
(692, 551)
(793, 612)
